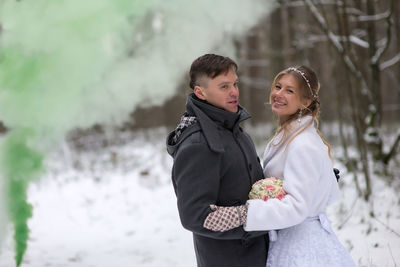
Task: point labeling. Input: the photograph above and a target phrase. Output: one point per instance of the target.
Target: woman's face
(285, 97)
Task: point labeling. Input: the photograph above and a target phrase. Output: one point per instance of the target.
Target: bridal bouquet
(267, 188)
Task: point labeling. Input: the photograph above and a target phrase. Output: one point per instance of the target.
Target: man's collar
(211, 117)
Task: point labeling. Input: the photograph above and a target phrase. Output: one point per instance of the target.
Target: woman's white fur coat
(308, 178)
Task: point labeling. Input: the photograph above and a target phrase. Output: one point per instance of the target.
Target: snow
(375, 17)
(358, 41)
(115, 206)
(371, 136)
(371, 241)
(390, 62)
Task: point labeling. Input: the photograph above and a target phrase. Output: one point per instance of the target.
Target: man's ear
(199, 92)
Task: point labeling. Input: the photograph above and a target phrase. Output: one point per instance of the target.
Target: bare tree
(358, 29)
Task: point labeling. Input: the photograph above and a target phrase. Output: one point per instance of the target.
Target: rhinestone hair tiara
(305, 79)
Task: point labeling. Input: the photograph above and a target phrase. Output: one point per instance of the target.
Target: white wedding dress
(308, 244)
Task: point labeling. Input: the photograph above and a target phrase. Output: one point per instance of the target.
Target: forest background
(353, 45)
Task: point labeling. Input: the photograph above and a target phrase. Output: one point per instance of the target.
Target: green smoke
(51, 54)
(54, 56)
(69, 63)
(20, 164)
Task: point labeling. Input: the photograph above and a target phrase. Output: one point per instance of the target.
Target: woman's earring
(299, 117)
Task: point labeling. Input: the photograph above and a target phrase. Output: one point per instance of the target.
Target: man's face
(222, 91)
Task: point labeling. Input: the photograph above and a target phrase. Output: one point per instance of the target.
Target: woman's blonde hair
(308, 89)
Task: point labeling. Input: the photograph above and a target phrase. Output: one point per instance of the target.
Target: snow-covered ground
(115, 206)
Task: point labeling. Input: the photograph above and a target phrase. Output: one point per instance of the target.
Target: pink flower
(269, 187)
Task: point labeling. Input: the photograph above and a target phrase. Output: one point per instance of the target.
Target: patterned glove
(225, 218)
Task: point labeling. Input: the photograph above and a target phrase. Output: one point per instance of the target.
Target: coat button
(250, 167)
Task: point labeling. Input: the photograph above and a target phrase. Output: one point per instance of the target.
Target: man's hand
(225, 218)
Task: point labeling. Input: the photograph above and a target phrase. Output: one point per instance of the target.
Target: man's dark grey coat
(215, 162)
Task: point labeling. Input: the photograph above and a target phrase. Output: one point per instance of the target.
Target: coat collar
(211, 117)
(293, 128)
(276, 143)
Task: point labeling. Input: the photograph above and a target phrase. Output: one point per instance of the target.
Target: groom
(215, 162)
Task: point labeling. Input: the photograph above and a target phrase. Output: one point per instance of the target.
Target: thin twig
(386, 226)
(391, 254)
(349, 215)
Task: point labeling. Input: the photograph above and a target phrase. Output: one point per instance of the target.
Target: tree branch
(380, 51)
(375, 17)
(334, 40)
(390, 62)
(392, 151)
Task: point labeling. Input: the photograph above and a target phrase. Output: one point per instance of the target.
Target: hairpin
(305, 79)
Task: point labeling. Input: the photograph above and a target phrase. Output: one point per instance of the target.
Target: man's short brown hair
(210, 65)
